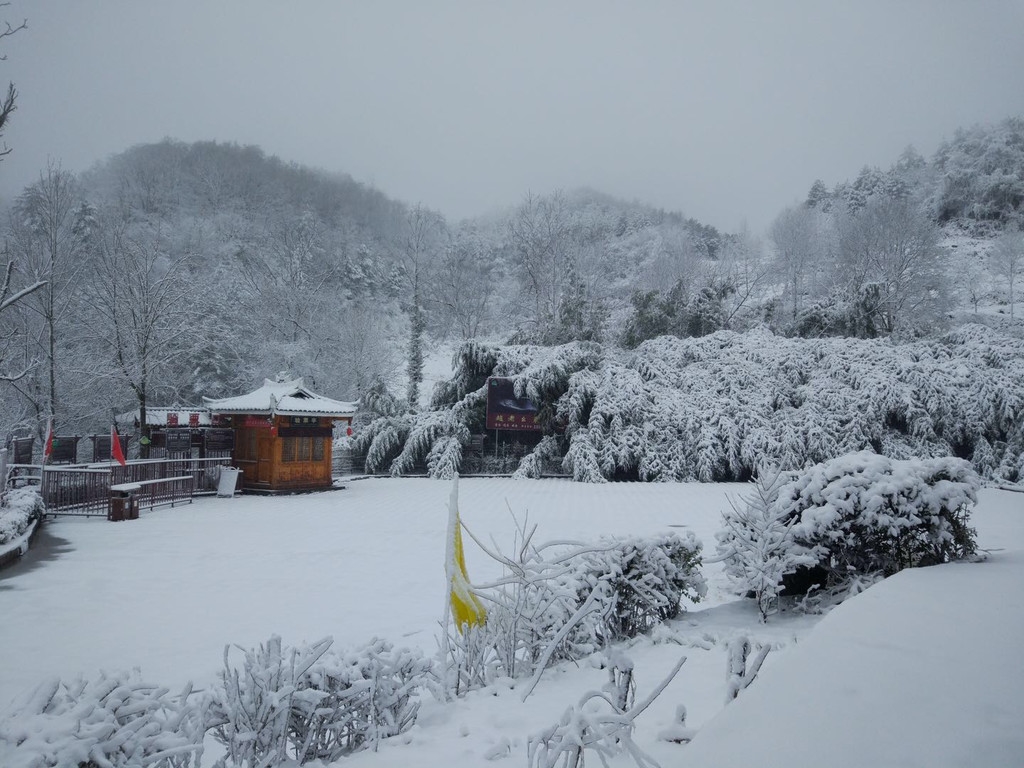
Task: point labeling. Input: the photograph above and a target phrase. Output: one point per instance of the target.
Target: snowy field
(924, 669)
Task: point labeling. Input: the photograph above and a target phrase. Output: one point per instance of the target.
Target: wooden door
(265, 460)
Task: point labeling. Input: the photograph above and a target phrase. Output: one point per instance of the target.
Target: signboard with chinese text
(506, 411)
(219, 439)
(257, 422)
(178, 440)
(65, 450)
(23, 450)
(101, 446)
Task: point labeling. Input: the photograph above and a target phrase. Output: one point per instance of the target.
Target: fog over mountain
(724, 112)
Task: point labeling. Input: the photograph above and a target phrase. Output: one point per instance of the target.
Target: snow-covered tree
(891, 247)
(145, 308)
(50, 227)
(712, 408)
(756, 541)
(1006, 260)
(424, 236)
(795, 235)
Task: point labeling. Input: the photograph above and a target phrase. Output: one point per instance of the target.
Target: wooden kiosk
(283, 435)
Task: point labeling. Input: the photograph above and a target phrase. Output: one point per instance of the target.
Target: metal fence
(84, 490)
(480, 456)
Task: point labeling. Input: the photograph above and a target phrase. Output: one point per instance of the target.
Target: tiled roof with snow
(285, 398)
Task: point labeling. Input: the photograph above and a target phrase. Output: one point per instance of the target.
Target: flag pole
(449, 575)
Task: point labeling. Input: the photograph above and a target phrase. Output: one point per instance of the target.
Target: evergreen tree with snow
(756, 542)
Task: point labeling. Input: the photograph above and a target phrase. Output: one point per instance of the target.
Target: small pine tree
(756, 542)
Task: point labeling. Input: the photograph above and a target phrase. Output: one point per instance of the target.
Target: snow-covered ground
(930, 660)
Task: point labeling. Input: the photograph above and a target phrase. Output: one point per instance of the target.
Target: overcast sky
(725, 111)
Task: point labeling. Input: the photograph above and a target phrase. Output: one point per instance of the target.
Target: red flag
(115, 446)
(48, 445)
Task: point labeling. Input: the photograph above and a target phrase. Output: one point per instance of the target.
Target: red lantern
(348, 431)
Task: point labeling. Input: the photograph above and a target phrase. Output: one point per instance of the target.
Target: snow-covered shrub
(562, 601)
(438, 436)
(118, 721)
(533, 602)
(756, 541)
(532, 465)
(19, 508)
(348, 701)
(645, 581)
(712, 408)
(865, 513)
(469, 658)
(381, 441)
(252, 707)
(310, 703)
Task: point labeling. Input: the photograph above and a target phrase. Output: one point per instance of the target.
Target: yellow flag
(466, 606)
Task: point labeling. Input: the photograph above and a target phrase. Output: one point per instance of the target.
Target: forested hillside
(174, 271)
(177, 270)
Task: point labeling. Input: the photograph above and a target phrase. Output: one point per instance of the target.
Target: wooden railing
(84, 490)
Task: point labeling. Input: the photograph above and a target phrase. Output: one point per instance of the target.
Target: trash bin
(124, 502)
(228, 481)
(117, 504)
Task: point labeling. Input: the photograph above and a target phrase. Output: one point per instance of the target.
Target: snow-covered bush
(565, 600)
(645, 578)
(382, 440)
(527, 609)
(864, 513)
(251, 709)
(532, 465)
(756, 541)
(349, 701)
(309, 703)
(712, 408)
(118, 721)
(20, 506)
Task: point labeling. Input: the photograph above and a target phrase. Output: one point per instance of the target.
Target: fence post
(3, 471)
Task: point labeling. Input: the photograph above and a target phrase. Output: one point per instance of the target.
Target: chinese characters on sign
(256, 422)
(178, 441)
(506, 411)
